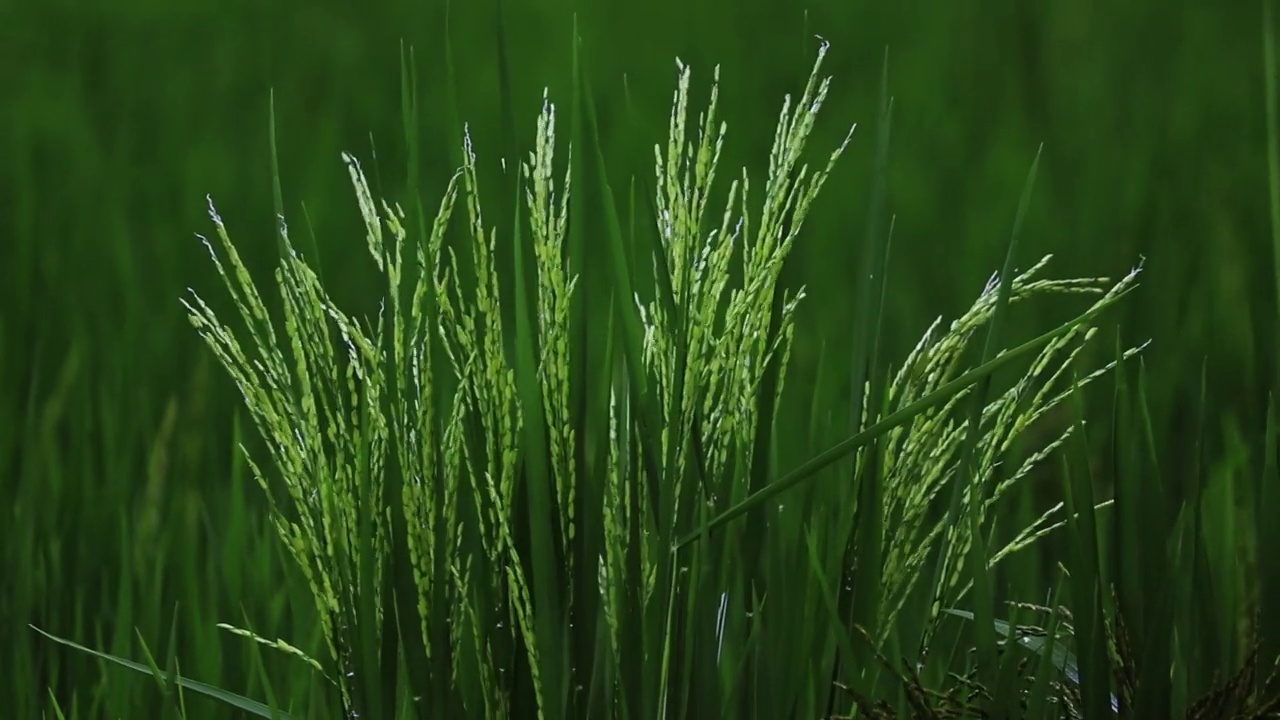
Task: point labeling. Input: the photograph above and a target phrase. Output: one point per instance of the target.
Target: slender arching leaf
(253, 707)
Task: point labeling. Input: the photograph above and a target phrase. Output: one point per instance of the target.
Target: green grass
(589, 427)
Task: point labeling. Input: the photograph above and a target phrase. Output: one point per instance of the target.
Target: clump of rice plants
(477, 544)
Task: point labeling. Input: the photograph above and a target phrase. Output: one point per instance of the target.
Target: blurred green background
(124, 504)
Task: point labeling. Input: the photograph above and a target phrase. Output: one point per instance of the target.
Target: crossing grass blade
(231, 699)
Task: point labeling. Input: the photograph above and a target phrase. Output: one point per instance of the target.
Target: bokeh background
(123, 503)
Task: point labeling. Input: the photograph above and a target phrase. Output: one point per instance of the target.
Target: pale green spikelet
(548, 218)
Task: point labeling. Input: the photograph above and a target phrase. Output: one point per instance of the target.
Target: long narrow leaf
(253, 707)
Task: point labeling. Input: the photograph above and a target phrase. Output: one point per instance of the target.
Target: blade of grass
(57, 708)
(844, 640)
(647, 416)
(636, 420)
(1271, 92)
(1269, 495)
(182, 693)
(983, 601)
(589, 403)
(451, 91)
(1089, 583)
(1161, 530)
(277, 195)
(159, 675)
(239, 702)
(868, 306)
(1269, 535)
(1205, 641)
(868, 321)
(1126, 464)
(172, 655)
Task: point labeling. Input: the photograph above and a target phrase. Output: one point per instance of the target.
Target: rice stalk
(348, 407)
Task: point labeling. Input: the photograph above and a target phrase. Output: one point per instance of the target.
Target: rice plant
(501, 544)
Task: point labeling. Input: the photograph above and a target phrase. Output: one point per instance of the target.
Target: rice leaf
(868, 474)
(231, 699)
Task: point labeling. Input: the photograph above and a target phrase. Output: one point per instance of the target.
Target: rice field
(677, 360)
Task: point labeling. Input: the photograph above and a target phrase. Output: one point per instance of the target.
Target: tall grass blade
(57, 707)
(589, 360)
(277, 194)
(1268, 496)
(160, 676)
(868, 477)
(1089, 583)
(647, 416)
(1162, 533)
(1200, 638)
(451, 102)
(1271, 92)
